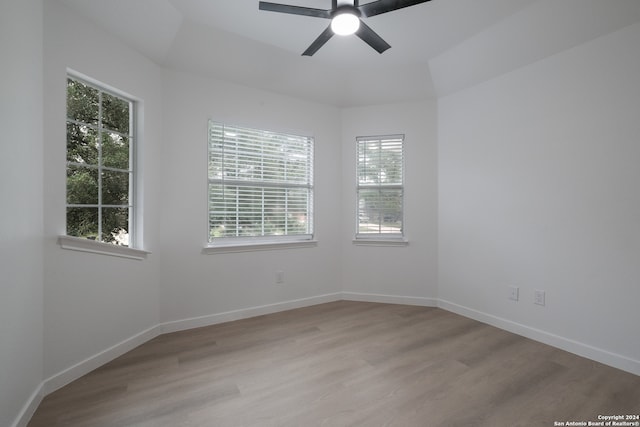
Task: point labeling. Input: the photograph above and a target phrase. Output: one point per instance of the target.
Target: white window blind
(380, 170)
(260, 185)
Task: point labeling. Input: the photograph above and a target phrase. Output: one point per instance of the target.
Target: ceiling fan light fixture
(345, 19)
(345, 24)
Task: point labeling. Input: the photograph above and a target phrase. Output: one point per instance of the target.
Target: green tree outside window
(99, 164)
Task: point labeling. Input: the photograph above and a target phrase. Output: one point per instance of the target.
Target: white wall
(94, 301)
(538, 186)
(408, 272)
(21, 204)
(194, 284)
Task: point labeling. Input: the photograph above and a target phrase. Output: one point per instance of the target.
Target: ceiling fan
(345, 19)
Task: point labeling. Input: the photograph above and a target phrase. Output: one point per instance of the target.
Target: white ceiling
(438, 47)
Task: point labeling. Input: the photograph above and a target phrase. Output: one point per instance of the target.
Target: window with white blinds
(260, 185)
(380, 170)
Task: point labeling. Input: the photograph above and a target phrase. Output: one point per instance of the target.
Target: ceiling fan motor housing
(345, 8)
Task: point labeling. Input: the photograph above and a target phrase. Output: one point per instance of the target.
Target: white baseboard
(599, 355)
(228, 316)
(390, 299)
(30, 407)
(74, 372)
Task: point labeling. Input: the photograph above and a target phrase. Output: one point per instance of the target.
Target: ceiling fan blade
(319, 42)
(294, 10)
(371, 38)
(384, 6)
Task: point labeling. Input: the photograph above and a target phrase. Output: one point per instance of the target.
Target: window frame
(381, 238)
(269, 241)
(134, 248)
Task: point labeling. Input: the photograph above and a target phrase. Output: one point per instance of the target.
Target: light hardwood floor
(343, 364)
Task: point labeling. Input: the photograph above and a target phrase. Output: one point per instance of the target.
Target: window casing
(260, 186)
(380, 187)
(100, 164)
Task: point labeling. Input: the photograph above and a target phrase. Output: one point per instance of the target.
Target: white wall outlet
(513, 293)
(279, 276)
(538, 297)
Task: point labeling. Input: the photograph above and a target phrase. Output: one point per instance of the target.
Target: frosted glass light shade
(345, 24)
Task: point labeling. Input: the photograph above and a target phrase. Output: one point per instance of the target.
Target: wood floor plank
(343, 364)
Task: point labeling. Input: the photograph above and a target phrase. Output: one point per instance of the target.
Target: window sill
(261, 246)
(380, 242)
(91, 246)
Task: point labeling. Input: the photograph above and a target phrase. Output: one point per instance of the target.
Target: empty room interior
(225, 213)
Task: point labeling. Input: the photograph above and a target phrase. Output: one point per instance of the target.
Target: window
(260, 185)
(380, 190)
(100, 175)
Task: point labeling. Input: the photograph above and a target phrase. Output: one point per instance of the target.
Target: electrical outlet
(279, 276)
(513, 293)
(538, 297)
